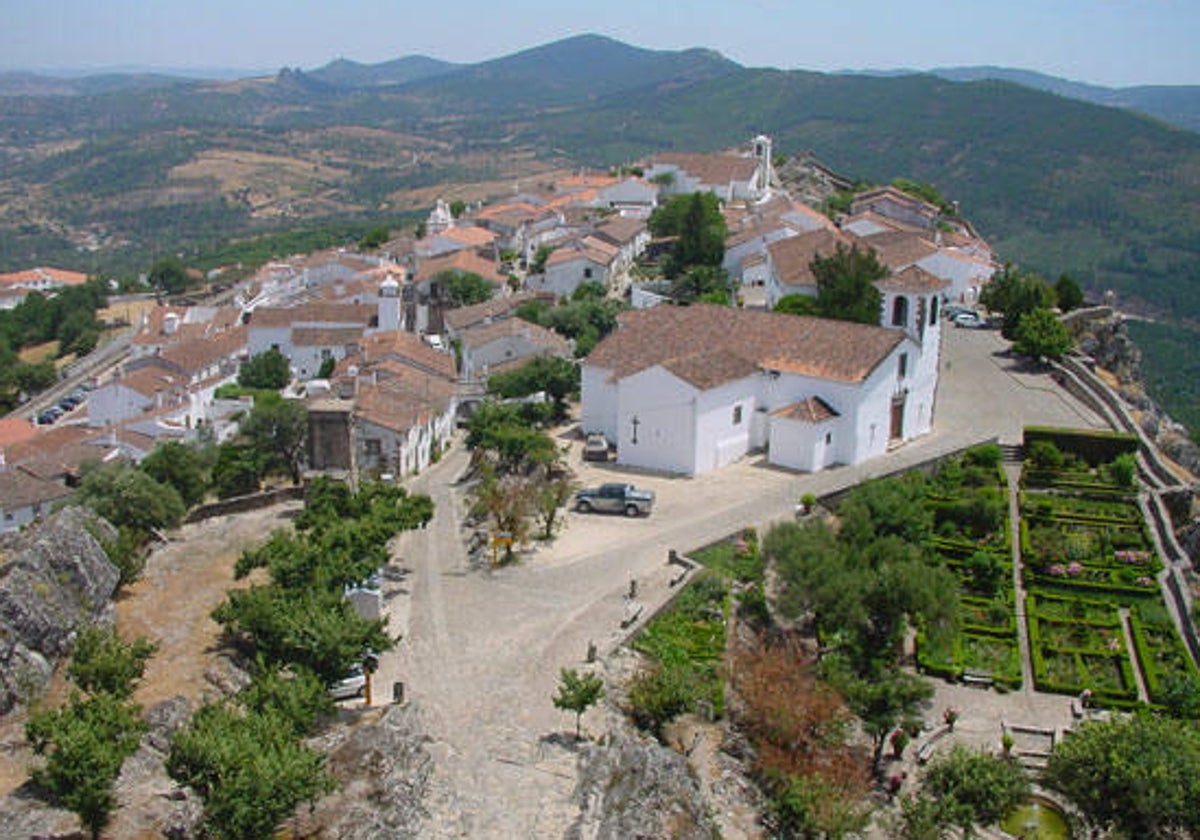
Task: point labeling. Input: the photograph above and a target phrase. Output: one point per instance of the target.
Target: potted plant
(807, 502)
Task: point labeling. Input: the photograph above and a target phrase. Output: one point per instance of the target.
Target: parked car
(595, 448)
(615, 498)
(969, 320)
(350, 686)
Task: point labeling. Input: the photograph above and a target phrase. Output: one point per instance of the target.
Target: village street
(481, 649)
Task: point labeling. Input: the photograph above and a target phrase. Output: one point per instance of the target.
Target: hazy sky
(1113, 42)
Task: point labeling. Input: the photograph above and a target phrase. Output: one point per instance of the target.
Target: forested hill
(1058, 185)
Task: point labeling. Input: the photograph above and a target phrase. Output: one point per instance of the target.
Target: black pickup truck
(615, 498)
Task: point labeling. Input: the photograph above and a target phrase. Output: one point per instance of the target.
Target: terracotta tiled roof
(326, 336)
(575, 183)
(501, 306)
(580, 250)
(465, 262)
(478, 336)
(408, 348)
(56, 452)
(314, 313)
(196, 354)
(621, 230)
(470, 236)
(899, 250)
(399, 403)
(792, 257)
(43, 274)
(809, 410)
(712, 170)
(837, 350)
(518, 210)
(864, 200)
(20, 489)
(911, 280)
(151, 380)
(869, 223)
(709, 368)
(14, 430)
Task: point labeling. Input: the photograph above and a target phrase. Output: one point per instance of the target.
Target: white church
(690, 389)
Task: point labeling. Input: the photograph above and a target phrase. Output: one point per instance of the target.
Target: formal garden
(1091, 573)
(969, 501)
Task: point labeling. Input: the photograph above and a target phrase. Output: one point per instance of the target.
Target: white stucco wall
(598, 399)
(664, 406)
(719, 440)
(113, 402)
(803, 446)
(563, 279)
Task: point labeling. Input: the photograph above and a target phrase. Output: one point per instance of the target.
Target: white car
(969, 320)
(350, 686)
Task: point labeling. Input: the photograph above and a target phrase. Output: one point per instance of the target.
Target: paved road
(481, 649)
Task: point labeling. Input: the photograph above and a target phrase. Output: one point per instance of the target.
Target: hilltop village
(385, 356)
(853, 518)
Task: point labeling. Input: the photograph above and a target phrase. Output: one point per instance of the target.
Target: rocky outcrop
(1101, 333)
(633, 786)
(54, 577)
(382, 768)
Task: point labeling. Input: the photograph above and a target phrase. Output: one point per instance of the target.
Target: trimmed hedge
(1095, 447)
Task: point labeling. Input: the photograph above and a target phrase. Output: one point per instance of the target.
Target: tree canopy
(577, 693)
(1139, 775)
(169, 275)
(1016, 294)
(699, 229)
(277, 429)
(1041, 335)
(129, 497)
(974, 788)
(179, 465)
(463, 288)
(268, 370)
(846, 285)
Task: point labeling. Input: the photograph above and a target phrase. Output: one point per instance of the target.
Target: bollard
(633, 588)
(397, 692)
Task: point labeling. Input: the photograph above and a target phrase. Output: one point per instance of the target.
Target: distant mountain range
(1176, 104)
(108, 171)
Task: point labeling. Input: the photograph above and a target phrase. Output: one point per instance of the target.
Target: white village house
(690, 389)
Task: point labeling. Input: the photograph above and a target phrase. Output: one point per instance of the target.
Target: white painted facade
(563, 277)
(683, 429)
(402, 452)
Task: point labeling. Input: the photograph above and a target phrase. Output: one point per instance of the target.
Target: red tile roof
(549, 340)
(792, 257)
(670, 335)
(15, 430)
(900, 249)
(712, 170)
(314, 313)
(43, 274)
(408, 348)
(808, 410)
(912, 280)
(20, 489)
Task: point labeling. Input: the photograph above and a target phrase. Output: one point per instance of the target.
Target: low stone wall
(241, 504)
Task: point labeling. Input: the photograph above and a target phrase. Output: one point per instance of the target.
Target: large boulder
(54, 577)
(632, 786)
(382, 768)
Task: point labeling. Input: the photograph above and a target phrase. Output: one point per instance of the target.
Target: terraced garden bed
(1086, 553)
